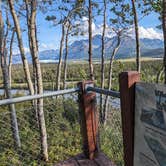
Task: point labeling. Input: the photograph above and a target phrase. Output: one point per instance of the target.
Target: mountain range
(78, 50)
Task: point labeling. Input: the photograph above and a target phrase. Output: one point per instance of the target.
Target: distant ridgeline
(78, 50)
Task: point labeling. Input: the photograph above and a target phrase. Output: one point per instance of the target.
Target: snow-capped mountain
(79, 49)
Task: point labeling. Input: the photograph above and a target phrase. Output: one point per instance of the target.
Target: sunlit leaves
(121, 16)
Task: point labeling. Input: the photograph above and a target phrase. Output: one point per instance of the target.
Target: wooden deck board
(69, 162)
(80, 160)
(103, 160)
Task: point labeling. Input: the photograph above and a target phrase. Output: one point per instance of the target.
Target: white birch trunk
(21, 47)
(35, 58)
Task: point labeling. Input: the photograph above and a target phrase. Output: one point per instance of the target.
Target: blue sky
(150, 21)
(49, 35)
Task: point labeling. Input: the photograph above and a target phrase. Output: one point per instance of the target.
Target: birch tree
(7, 86)
(164, 33)
(31, 24)
(103, 54)
(90, 40)
(66, 10)
(21, 47)
(66, 54)
(117, 41)
(119, 24)
(138, 53)
(59, 70)
(10, 57)
(144, 8)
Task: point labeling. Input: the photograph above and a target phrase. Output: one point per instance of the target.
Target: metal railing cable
(38, 96)
(112, 93)
(57, 93)
(62, 121)
(62, 124)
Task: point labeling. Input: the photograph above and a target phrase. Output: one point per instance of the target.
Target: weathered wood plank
(102, 160)
(87, 162)
(127, 82)
(81, 160)
(89, 121)
(69, 162)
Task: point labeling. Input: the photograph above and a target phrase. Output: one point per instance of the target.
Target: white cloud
(108, 32)
(149, 33)
(26, 50)
(83, 26)
(44, 46)
(96, 29)
(17, 51)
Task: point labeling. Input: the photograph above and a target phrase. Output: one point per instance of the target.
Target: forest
(46, 131)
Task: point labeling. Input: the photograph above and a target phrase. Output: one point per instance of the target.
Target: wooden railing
(89, 120)
(88, 111)
(127, 81)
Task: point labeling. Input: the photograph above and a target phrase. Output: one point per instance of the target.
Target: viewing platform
(77, 138)
(81, 160)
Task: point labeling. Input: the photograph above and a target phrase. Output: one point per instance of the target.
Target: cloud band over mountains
(148, 33)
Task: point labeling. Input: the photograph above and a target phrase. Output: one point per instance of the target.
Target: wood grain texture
(81, 160)
(101, 159)
(89, 121)
(127, 82)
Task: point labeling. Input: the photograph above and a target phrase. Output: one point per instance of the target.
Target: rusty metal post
(88, 119)
(127, 82)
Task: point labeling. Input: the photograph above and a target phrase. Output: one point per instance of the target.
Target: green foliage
(62, 128)
(79, 71)
(63, 131)
(122, 13)
(111, 137)
(156, 6)
(50, 18)
(62, 119)
(83, 74)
